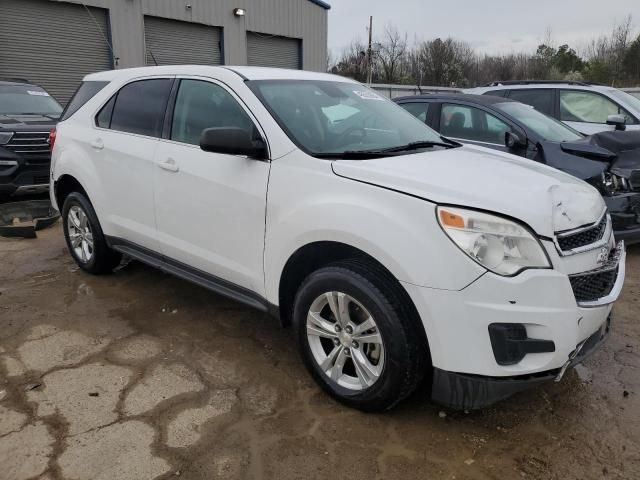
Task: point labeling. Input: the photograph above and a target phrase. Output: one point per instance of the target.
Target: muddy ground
(139, 375)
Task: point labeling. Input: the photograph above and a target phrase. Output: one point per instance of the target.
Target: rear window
(27, 100)
(85, 93)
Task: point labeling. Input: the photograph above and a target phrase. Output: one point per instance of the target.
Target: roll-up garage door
(273, 51)
(171, 42)
(53, 44)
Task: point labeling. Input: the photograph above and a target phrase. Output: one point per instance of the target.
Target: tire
(400, 360)
(97, 259)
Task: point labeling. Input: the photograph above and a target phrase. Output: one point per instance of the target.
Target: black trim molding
(181, 270)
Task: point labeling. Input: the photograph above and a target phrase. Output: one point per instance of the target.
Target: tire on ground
(104, 259)
(406, 352)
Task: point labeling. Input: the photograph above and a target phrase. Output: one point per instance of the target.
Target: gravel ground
(139, 375)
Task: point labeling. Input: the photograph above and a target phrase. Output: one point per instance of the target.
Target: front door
(210, 207)
(587, 112)
(473, 125)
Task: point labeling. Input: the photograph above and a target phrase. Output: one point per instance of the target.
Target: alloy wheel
(80, 234)
(345, 341)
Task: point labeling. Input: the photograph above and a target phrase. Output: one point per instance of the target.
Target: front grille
(584, 237)
(596, 284)
(588, 288)
(30, 145)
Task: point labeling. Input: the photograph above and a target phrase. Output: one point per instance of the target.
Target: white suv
(586, 107)
(397, 255)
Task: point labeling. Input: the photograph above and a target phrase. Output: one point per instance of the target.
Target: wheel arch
(315, 255)
(65, 185)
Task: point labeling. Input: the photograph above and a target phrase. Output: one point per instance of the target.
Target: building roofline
(322, 4)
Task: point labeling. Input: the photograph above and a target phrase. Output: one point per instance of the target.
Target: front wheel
(356, 336)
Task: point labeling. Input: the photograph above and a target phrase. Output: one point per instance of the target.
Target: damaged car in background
(610, 161)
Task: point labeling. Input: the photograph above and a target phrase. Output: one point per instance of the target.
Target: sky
(490, 26)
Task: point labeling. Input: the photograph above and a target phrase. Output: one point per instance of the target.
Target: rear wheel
(356, 338)
(84, 236)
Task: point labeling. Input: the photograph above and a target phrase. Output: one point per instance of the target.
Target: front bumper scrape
(462, 391)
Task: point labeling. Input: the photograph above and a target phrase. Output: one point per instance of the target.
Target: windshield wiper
(354, 154)
(419, 145)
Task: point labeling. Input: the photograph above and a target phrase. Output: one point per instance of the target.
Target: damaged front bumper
(624, 209)
(472, 392)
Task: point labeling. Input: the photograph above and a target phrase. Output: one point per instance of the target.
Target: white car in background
(586, 107)
(396, 254)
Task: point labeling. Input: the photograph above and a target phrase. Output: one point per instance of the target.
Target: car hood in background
(546, 199)
(620, 150)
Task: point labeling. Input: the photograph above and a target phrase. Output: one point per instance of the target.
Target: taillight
(52, 138)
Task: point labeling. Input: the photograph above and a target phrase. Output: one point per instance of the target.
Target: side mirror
(618, 120)
(233, 141)
(512, 141)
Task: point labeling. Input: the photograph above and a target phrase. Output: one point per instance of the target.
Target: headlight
(5, 137)
(498, 244)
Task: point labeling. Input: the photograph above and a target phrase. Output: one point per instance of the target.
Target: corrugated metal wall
(172, 42)
(53, 45)
(289, 18)
(273, 51)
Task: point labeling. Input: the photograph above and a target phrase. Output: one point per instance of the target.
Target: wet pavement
(139, 375)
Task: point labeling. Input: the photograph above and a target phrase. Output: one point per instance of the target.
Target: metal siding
(272, 51)
(288, 18)
(53, 44)
(172, 42)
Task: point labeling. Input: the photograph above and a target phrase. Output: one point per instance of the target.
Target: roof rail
(539, 82)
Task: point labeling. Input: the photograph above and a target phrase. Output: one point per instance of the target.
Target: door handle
(97, 144)
(169, 165)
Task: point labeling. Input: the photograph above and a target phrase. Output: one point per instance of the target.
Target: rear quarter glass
(85, 92)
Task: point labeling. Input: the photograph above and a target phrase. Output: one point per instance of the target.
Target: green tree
(631, 61)
(567, 60)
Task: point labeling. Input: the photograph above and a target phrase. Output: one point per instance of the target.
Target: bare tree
(392, 55)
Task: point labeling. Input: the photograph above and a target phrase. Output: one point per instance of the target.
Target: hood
(544, 198)
(10, 122)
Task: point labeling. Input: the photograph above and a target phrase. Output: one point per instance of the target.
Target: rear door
(124, 142)
(210, 207)
(542, 99)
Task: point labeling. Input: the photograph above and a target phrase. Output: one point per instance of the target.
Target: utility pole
(370, 52)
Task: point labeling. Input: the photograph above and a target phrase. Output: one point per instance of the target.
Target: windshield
(628, 99)
(546, 127)
(27, 99)
(333, 118)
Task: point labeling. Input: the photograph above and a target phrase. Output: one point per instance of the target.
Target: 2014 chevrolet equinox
(396, 254)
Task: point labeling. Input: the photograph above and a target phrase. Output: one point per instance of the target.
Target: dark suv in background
(27, 115)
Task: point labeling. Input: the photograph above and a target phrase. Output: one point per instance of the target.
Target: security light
(239, 12)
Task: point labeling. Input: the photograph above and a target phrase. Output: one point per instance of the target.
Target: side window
(541, 99)
(417, 109)
(470, 123)
(201, 105)
(85, 92)
(588, 107)
(139, 107)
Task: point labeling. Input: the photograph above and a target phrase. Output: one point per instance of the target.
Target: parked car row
(588, 108)
(398, 255)
(610, 161)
